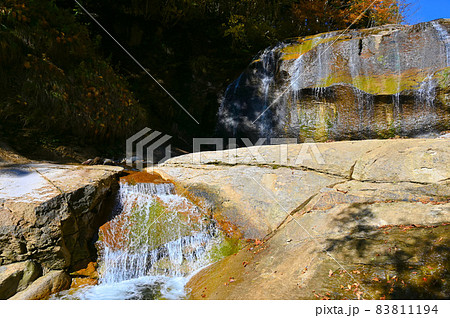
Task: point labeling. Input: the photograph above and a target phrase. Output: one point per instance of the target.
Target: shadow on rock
(394, 261)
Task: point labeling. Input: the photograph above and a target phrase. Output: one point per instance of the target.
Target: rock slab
(17, 277)
(51, 214)
(358, 214)
(44, 286)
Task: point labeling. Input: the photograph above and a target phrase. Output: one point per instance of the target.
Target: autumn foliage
(52, 78)
(326, 15)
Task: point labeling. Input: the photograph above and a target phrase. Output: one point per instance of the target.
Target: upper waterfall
(370, 83)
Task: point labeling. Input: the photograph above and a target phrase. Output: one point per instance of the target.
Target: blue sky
(427, 10)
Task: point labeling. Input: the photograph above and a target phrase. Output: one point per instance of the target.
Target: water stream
(156, 240)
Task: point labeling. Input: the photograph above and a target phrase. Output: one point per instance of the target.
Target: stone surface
(16, 277)
(421, 161)
(379, 208)
(248, 197)
(295, 263)
(50, 213)
(352, 84)
(44, 286)
(256, 188)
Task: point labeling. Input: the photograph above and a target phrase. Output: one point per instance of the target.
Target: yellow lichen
(382, 84)
(308, 43)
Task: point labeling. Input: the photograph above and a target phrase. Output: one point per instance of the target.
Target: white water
(151, 247)
(445, 37)
(275, 97)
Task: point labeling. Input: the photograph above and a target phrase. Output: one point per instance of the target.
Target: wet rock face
(380, 82)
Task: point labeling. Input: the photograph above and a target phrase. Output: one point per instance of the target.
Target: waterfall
(445, 37)
(155, 241)
(373, 83)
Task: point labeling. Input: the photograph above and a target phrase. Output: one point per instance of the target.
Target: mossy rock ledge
(356, 84)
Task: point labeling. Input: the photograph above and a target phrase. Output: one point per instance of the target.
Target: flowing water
(445, 37)
(356, 85)
(155, 242)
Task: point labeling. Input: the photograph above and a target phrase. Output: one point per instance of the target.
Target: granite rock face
(51, 213)
(357, 84)
(346, 252)
(257, 188)
(336, 214)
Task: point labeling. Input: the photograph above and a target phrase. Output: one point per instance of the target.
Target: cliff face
(379, 82)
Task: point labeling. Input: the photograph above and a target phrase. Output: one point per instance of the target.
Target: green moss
(384, 84)
(228, 246)
(306, 44)
(443, 78)
(317, 119)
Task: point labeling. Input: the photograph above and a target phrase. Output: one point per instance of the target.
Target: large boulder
(17, 277)
(354, 219)
(353, 84)
(51, 283)
(51, 213)
(255, 189)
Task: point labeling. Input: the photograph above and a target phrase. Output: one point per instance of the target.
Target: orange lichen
(113, 233)
(143, 177)
(90, 271)
(78, 282)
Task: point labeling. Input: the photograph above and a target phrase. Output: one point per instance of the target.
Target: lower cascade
(155, 241)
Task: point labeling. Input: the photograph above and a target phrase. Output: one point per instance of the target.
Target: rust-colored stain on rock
(143, 177)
